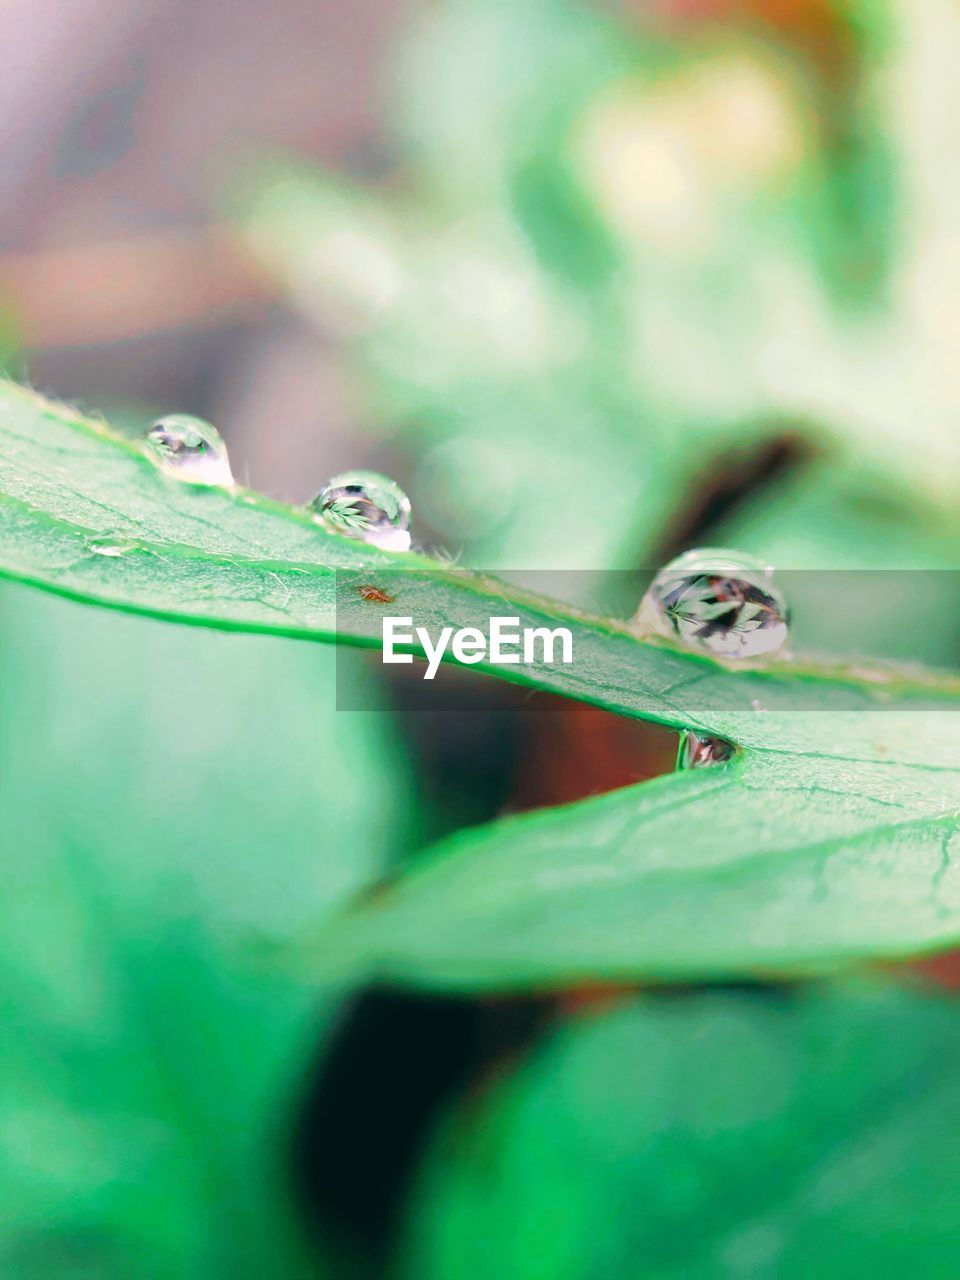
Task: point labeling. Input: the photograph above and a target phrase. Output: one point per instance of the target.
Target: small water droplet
(718, 602)
(107, 547)
(698, 751)
(190, 449)
(368, 506)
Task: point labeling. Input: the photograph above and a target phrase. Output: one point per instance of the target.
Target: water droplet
(368, 506)
(108, 547)
(190, 449)
(718, 602)
(698, 751)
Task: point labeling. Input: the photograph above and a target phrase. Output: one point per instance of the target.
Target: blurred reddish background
(122, 124)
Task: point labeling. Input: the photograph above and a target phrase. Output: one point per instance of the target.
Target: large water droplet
(190, 449)
(368, 506)
(718, 602)
(698, 751)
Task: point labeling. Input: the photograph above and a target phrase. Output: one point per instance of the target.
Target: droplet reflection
(718, 602)
(189, 449)
(698, 751)
(368, 506)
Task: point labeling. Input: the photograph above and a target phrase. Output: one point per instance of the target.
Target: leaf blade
(85, 514)
(759, 866)
(222, 559)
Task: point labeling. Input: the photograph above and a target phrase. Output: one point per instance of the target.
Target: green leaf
(736, 1134)
(85, 513)
(831, 837)
(165, 793)
(781, 861)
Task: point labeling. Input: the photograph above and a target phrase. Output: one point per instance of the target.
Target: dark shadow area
(733, 479)
(398, 1060)
(482, 747)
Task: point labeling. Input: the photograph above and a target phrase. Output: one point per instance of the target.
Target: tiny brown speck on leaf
(375, 595)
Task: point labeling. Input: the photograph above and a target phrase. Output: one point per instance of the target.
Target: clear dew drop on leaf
(189, 449)
(109, 547)
(368, 506)
(718, 602)
(698, 751)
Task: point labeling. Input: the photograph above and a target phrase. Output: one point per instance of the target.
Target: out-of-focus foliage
(618, 250)
(735, 1134)
(167, 794)
(827, 517)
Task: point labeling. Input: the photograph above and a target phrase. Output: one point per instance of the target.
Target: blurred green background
(595, 282)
